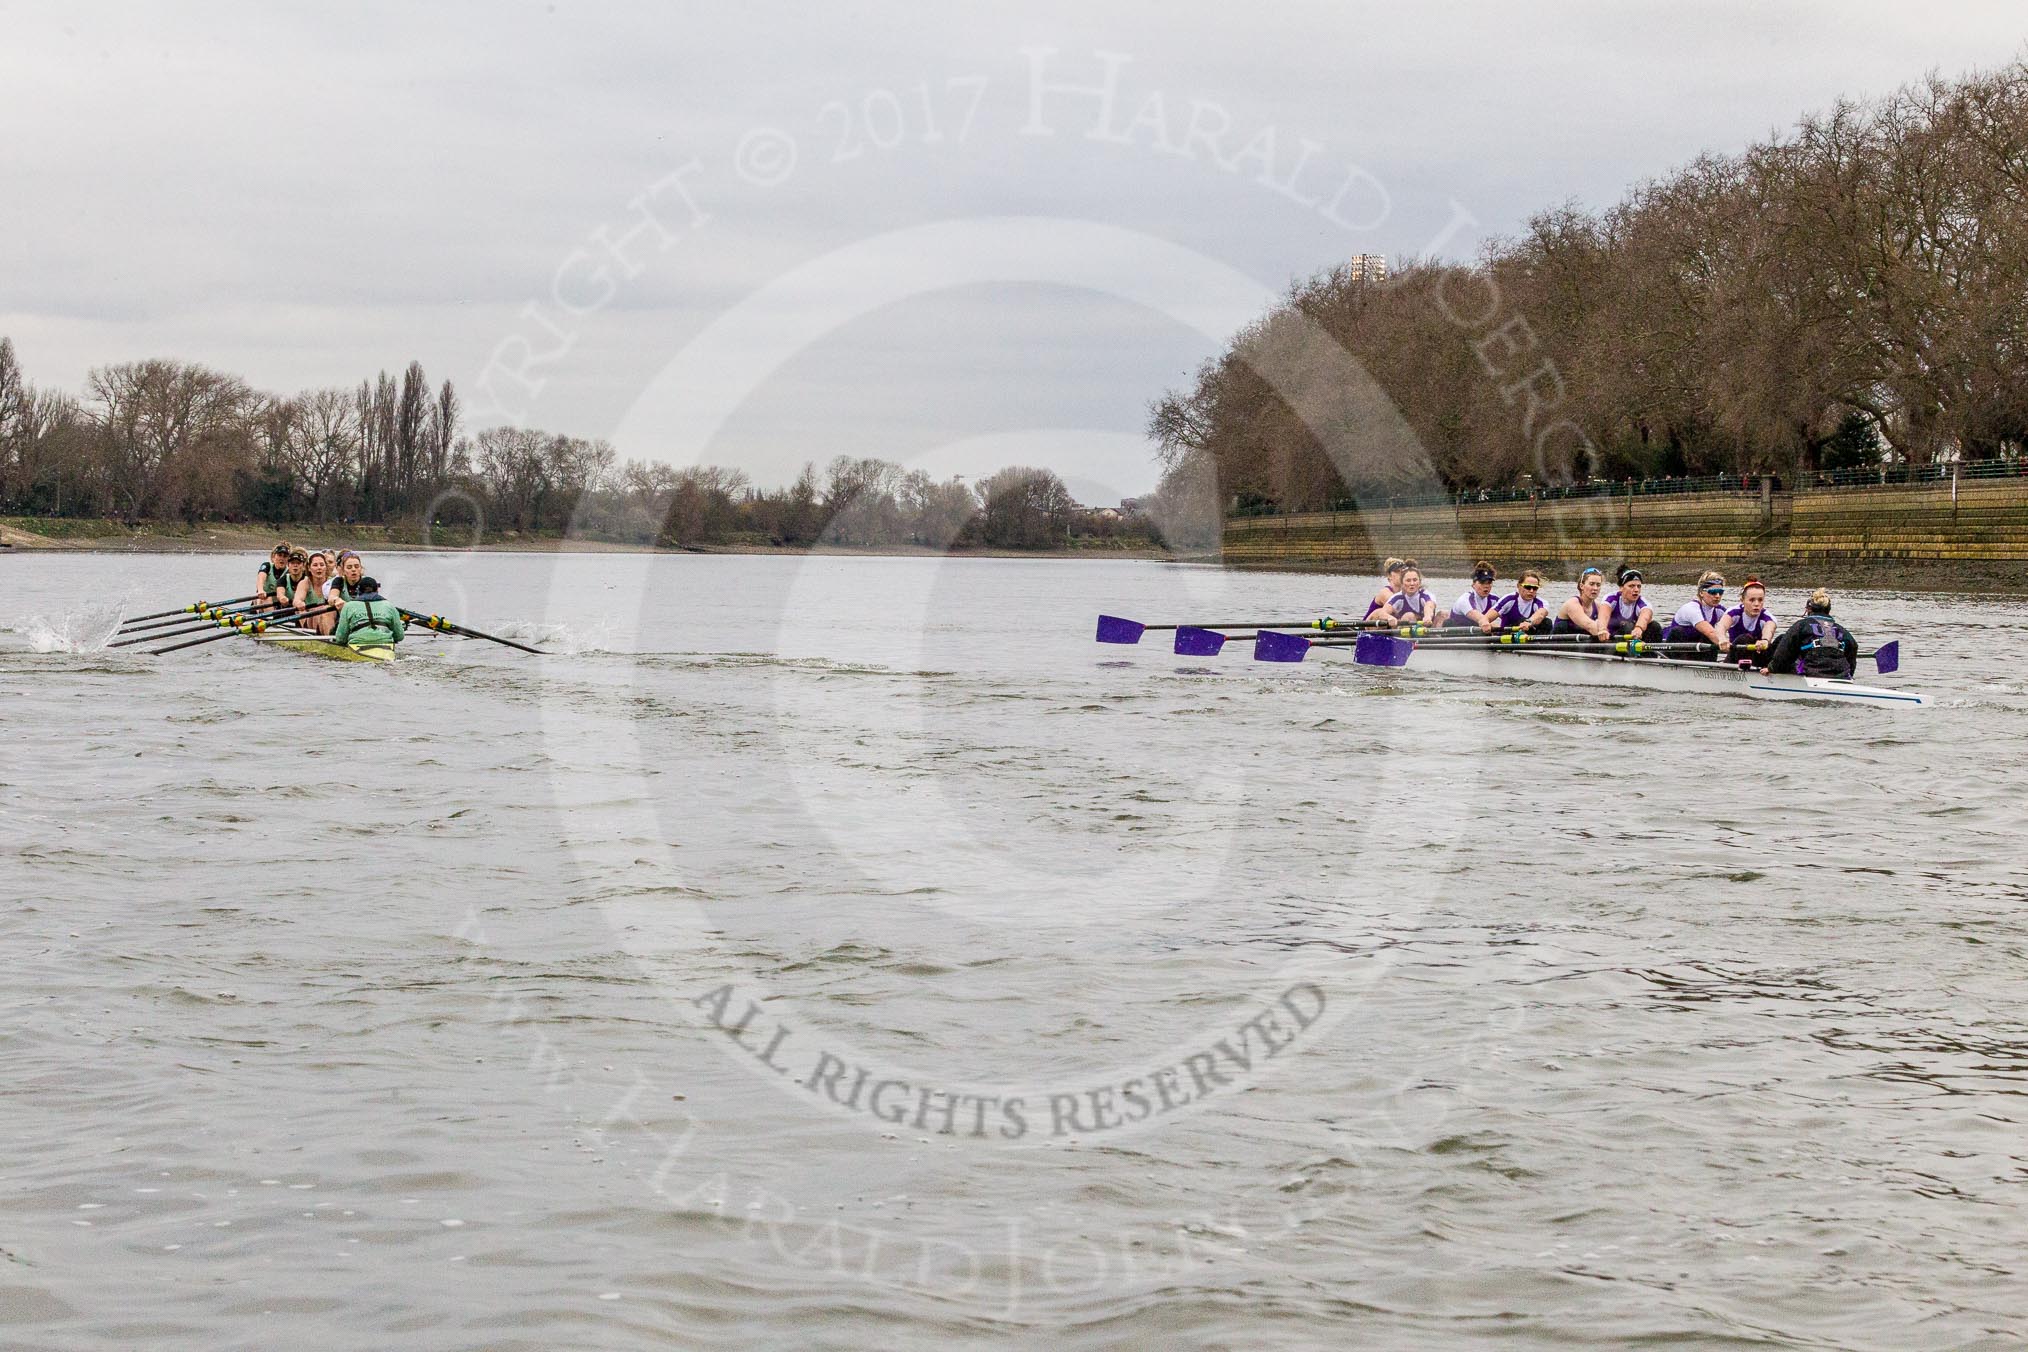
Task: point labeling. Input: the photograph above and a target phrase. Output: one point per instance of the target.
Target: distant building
(1369, 267)
(1130, 504)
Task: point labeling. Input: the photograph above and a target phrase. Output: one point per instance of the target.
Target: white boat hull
(1639, 673)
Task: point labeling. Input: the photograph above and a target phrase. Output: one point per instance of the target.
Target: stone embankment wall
(1983, 522)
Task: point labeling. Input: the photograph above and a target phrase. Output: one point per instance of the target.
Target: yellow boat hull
(324, 647)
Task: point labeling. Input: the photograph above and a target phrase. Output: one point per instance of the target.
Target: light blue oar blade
(1888, 657)
(1269, 646)
(1194, 642)
(1113, 629)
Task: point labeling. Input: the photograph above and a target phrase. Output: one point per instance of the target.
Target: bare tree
(1736, 315)
(324, 446)
(443, 434)
(411, 429)
(153, 416)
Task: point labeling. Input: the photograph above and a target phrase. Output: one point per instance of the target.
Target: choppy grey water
(848, 952)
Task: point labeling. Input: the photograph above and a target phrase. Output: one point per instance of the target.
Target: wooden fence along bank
(1976, 526)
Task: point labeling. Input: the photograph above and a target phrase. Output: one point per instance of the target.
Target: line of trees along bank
(167, 439)
(161, 440)
(1855, 292)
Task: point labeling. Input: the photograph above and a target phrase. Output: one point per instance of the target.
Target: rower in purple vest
(1701, 619)
(1523, 608)
(1389, 589)
(1627, 615)
(1410, 605)
(1478, 606)
(1584, 613)
(1748, 626)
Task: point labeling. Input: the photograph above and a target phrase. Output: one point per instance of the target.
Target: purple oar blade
(1888, 657)
(1269, 646)
(1113, 629)
(1194, 642)
(1381, 650)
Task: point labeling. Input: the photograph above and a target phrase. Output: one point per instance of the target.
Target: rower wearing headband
(1627, 615)
(1700, 619)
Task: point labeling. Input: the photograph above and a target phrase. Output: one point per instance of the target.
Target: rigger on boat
(1591, 640)
(316, 602)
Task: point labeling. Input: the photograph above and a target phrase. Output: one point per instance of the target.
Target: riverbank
(1935, 536)
(1985, 579)
(34, 534)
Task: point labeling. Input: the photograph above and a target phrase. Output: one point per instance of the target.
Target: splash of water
(84, 630)
(558, 639)
(563, 639)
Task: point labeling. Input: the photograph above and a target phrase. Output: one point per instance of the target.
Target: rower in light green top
(368, 620)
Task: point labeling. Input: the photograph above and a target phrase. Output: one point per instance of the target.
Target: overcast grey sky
(595, 216)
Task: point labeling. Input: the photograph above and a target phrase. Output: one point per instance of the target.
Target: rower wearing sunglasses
(1702, 619)
(1627, 615)
(1523, 608)
(284, 595)
(1584, 613)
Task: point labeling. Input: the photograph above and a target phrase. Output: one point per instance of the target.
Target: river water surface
(847, 952)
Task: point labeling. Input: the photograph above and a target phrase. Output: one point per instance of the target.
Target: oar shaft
(148, 633)
(237, 629)
(207, 612)
(444, 626)
(190, 609)
(1316, 622)
(1459, 639)
(1342, 633)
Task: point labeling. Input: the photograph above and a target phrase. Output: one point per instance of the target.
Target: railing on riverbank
(1674, 486)
(1982, 519)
